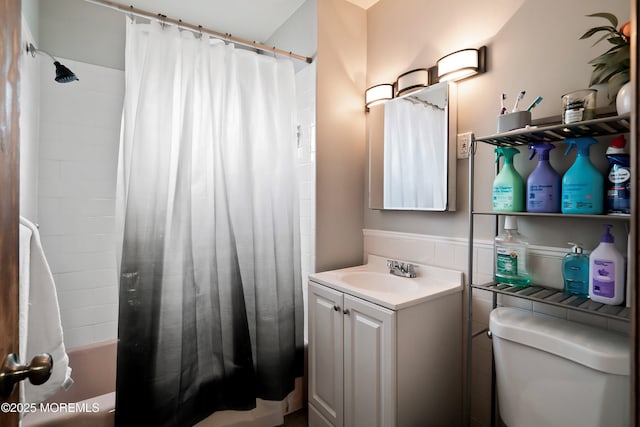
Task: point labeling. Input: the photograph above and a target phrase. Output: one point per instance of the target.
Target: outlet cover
(464, 145)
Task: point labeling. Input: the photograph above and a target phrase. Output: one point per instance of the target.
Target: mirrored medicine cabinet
(412, 151)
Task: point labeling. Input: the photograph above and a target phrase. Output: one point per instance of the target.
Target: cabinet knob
(336, 308)
(345, 311)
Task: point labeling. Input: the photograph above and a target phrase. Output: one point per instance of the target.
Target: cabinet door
(370, 364)
(326, 352)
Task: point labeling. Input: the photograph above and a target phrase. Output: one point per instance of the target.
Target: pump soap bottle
(575, 271)
(582, 184)
(544, 183)
(511, 252)
(508, 186)
(606, 271)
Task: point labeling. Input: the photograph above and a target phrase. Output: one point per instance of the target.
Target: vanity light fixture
(461, 64)
(411, 81)
(378, 94)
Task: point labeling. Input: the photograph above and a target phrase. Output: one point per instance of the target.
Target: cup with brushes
(517, 118)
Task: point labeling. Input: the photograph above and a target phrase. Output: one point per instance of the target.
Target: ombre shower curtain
(413, 154)
(210, 285)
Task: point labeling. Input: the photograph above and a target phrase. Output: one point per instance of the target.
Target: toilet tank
(553, 372)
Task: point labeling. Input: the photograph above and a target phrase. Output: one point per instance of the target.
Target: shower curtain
(413, 153)
(210, 284)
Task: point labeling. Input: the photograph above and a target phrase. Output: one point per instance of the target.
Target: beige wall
(340, 143)
(532, 45)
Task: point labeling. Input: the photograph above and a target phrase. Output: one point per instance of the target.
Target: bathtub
(93, 391)
(93, 397)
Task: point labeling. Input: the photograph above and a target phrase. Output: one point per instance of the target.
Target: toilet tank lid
(606, 351)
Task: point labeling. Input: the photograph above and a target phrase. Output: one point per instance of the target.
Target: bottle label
(619, 175)
(574, 115)
(540, 196)
(502, 197)
(506, 261)
(619, 190)
(577, 196)
(604, 278)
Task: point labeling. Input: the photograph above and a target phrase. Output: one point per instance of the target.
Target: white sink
(378, 281)
(374, 283)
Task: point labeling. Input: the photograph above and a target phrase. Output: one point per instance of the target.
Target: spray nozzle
(507, 152)
(582, 144)
(542, 149)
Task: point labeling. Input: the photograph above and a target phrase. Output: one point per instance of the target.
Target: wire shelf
(558, 298)
(610, 125)
(607, 217)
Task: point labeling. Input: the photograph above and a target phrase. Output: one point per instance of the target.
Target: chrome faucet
(401, 269)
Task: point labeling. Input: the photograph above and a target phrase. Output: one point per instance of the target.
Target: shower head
(63, 74)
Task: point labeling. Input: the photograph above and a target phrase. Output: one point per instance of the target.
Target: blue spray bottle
(544, 183)
(582, 184)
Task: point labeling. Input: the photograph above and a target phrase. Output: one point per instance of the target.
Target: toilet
(553, 372)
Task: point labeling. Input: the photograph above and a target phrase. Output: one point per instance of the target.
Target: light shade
(461, 64)
(412, 81)
(378, 94)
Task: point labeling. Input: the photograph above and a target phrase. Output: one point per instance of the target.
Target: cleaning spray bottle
(606, 271)
(618, 178)
(508, 186)
(582, 184)
(544, 183)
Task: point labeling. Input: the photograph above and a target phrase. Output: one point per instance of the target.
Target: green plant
(612, 67)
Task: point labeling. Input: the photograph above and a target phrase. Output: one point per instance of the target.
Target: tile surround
(306, 169)
(80, 129)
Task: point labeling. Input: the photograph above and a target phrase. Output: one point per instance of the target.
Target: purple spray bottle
(544, 183)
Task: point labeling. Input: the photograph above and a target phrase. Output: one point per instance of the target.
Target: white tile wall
(79, 129)
(545, 267)
(306, 105)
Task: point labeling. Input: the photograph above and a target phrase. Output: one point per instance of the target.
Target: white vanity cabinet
(351, 360)
(371, 365)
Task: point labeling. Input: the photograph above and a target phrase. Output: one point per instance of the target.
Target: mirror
(412, 151)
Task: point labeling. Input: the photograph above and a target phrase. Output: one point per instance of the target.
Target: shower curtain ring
(131, 14)
(199, 32)
(163, 24)
(274, 53)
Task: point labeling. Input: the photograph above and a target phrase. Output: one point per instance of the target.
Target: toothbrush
(520, 96)
(503, 109)
(535, 102)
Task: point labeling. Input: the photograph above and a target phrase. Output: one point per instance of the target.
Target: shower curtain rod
(130, 10)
